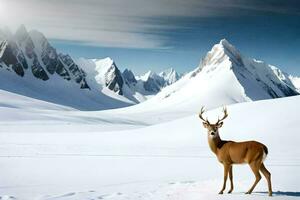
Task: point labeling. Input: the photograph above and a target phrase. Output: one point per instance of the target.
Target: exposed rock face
(37, 69)
(9, 56)
(76, 73)
(62, 71)
(114, 80)
(31, 50)
(106, 73)
(49, 57)
(153, 82)
(129, 77)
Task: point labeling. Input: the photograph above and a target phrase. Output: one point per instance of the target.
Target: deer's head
(212, 129)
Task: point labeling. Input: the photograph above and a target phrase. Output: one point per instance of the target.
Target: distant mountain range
(37, 70)
(105, 72)
(30, 66)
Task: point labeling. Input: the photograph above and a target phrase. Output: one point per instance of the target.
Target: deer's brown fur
(230, 152)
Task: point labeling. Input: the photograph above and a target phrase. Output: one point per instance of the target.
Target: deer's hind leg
(255, 166)
(267, 174)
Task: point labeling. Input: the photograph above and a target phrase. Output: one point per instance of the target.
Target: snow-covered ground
(55, 152)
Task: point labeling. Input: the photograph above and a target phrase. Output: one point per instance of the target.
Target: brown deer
(230, 152)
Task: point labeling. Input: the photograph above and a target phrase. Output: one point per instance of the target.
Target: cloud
(121, 23)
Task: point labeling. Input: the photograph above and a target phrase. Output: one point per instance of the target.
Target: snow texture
(84, 157)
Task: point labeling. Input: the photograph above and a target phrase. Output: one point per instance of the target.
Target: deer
(228, 153)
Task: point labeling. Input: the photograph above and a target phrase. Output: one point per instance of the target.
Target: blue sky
(159, 34)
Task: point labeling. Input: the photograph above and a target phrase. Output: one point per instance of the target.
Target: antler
(225, 115)
(201, 113)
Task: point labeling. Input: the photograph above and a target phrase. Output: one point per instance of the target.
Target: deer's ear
(220, 124)
(205, 124)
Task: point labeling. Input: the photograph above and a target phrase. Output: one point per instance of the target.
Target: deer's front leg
(231, 179)
(226, 170)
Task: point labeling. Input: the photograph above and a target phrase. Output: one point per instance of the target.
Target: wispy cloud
(121, 23)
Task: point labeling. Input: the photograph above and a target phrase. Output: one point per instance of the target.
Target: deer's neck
(215, 143)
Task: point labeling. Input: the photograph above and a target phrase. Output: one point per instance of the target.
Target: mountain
(258, 79)
(109, 75)
(31, 50)
(224, 76)
(29, 56)
(153, 82)
(170, 76)
(129, 77)
(106, 73)
(30, 66)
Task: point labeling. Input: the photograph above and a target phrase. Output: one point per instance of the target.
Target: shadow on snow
(281, 193)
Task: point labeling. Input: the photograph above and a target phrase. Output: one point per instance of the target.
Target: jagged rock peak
(150, 74)
(129, 77)
(109, 75)
(170, 75)
(167, 71)
(31, 50)
(229, 49)
(21, 33)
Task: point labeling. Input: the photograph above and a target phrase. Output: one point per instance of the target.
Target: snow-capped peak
(108, 74)
(251, 73)
(230, 50)
(225, 43)
(167, 72)
(224, 76)
(221, 52)
(147, 75)
(170, 76)
(103, 63)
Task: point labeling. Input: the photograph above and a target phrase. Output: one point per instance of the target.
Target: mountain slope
(259, 80)
(30, 66)
(223, 77)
